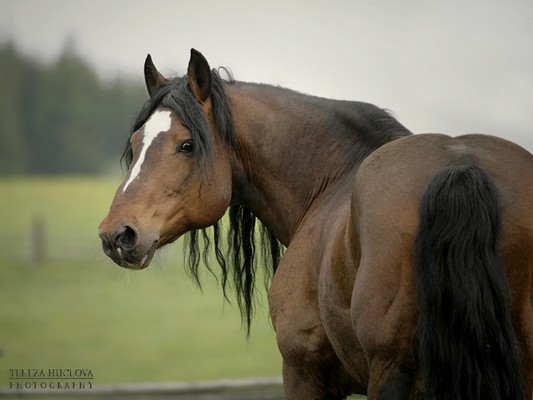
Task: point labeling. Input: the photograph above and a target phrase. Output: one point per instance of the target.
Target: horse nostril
(126, 238)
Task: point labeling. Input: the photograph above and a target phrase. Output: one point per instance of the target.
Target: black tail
(466, 342)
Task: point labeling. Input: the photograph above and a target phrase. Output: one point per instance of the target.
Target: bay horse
(407, 272)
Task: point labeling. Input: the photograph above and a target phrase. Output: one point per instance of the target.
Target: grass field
(78, 310)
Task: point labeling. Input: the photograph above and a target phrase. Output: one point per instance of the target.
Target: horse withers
(408, 265)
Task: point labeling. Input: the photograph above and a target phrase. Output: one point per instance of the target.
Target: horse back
(391, 182)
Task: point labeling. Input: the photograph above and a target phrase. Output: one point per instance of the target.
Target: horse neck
(292, 150)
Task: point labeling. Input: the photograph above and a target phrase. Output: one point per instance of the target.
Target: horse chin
(137, 262)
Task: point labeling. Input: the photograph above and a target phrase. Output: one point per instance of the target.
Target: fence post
(38, 240)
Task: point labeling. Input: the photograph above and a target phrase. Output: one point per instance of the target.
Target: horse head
(179, 175)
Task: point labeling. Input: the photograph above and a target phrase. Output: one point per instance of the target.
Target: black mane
(239, 259)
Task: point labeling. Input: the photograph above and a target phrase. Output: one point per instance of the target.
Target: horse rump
(467, 348)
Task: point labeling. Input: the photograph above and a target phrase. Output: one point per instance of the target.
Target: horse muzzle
(125, 247)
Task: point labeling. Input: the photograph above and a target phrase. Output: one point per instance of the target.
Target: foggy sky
(453, 67)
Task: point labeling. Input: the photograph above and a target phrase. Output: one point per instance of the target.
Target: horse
(401, 263)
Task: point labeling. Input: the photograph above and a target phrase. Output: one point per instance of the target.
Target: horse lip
(148, 257)
(144, 261)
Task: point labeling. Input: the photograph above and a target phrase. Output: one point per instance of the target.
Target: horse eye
(186, 147)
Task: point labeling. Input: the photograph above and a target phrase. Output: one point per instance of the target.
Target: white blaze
(158, 122)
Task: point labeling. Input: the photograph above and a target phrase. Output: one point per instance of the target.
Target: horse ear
(199, 74)
(153, 78)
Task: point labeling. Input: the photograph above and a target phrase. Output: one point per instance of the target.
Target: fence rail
(241, 389)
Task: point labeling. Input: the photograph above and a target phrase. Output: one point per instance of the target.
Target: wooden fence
(242, 389)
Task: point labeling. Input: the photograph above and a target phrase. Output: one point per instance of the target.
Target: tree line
(61, 118)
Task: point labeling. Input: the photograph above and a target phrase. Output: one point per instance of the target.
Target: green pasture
(78, 310)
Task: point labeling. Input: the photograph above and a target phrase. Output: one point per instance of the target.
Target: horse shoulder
(338, 265)
(306, 325)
